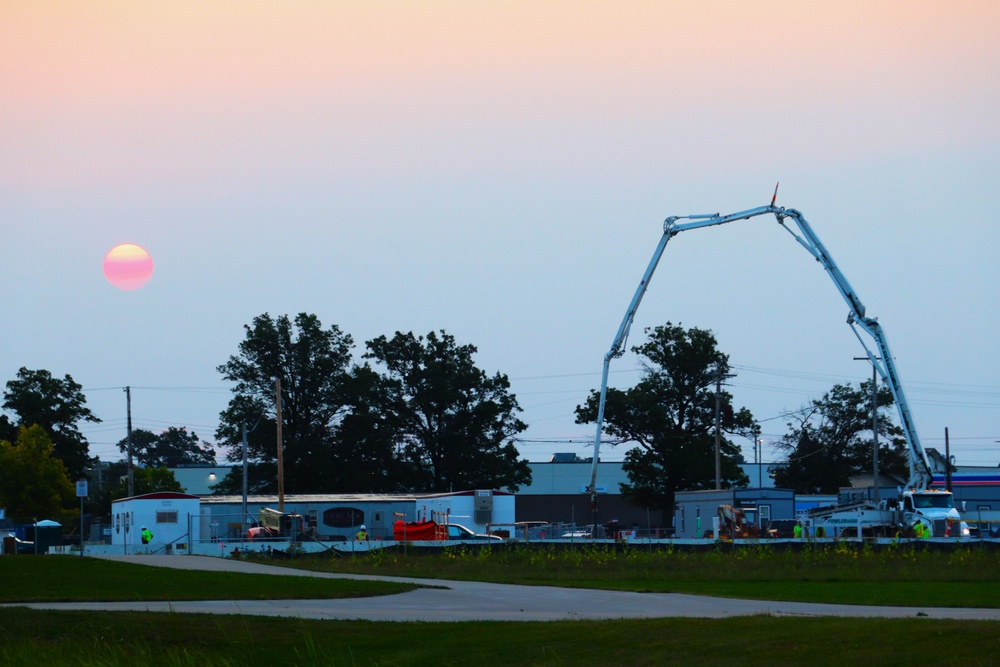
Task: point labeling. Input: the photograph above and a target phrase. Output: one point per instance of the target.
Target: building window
(682, 519)
(343, 517)
(166, 517)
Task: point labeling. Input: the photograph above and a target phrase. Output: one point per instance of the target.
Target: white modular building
(337, 517)
(168, 515)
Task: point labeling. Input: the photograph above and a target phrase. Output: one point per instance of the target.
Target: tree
(57, 406)
(670, 417)
(450, 423)
(110, 476)
(170, 448)
(367, 440)
(148, 480)
(313, 366)
(33, 482)
(832, 440)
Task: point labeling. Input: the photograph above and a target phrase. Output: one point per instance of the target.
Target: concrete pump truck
(916, 503)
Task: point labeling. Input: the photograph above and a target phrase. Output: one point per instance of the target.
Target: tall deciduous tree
(33, 482)
(313, 365)
(451, 424)
(172, 447)
(669, 416)
(831, 440)
(58, 406)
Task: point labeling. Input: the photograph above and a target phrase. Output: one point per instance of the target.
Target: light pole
(875, 480)
(245, 432)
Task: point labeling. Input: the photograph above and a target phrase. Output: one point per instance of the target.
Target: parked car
(459, 532)
(586, 533)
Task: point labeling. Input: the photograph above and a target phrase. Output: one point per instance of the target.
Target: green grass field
(29, 637)
(32, 638)
(903, 575)
(66, 578)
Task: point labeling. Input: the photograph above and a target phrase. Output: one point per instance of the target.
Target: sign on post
(81, 493)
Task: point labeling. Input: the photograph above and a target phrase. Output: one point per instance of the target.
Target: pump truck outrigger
(934, 509)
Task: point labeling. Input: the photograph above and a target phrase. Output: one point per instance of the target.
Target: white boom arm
(920, 476)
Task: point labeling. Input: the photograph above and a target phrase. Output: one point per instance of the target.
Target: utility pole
(719, 376)
(243, 521)
(875, 478)
(281, 464)
(758, 451)
(128, 436)
(947, 461)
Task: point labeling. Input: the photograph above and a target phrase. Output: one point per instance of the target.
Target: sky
(502, 171)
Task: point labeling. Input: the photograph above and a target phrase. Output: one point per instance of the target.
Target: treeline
(413, 413)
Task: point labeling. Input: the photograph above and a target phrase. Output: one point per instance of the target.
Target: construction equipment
(881, 358)
(278, 525)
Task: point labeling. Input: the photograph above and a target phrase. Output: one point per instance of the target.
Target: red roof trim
(160, 495)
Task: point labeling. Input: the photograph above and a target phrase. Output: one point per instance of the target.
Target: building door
(765, 516)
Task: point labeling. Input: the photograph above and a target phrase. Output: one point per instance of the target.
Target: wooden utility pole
(719, 376)
(947, 460)
(281, 463)
(128, 436)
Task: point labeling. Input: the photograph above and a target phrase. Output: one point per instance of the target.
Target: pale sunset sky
(502, 170)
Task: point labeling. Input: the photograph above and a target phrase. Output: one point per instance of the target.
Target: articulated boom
(920, 476)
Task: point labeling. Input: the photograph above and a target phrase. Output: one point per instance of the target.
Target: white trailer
(167, 514)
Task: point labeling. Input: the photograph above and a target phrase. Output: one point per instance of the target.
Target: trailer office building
(694, 510)
(337, 517)
(167, 514)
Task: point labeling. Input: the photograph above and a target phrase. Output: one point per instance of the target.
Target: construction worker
(147, 535)
(363, 534)
(797, 530)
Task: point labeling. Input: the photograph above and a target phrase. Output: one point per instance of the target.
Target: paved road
(471, 601)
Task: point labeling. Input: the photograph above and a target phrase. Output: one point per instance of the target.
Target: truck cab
(933, 508)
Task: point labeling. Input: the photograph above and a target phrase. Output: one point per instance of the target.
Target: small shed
(168, 514)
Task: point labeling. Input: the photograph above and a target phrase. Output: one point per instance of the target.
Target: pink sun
(128, 266)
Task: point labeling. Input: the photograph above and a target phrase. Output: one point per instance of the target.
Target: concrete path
(476, 601)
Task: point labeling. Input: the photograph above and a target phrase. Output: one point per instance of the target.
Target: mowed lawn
(32, 638)
(908, 574)
(29, 637)
(68, 578)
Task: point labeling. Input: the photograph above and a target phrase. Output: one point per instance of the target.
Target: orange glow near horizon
(119, 93)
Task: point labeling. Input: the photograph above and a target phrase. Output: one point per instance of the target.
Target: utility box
(483, 506)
